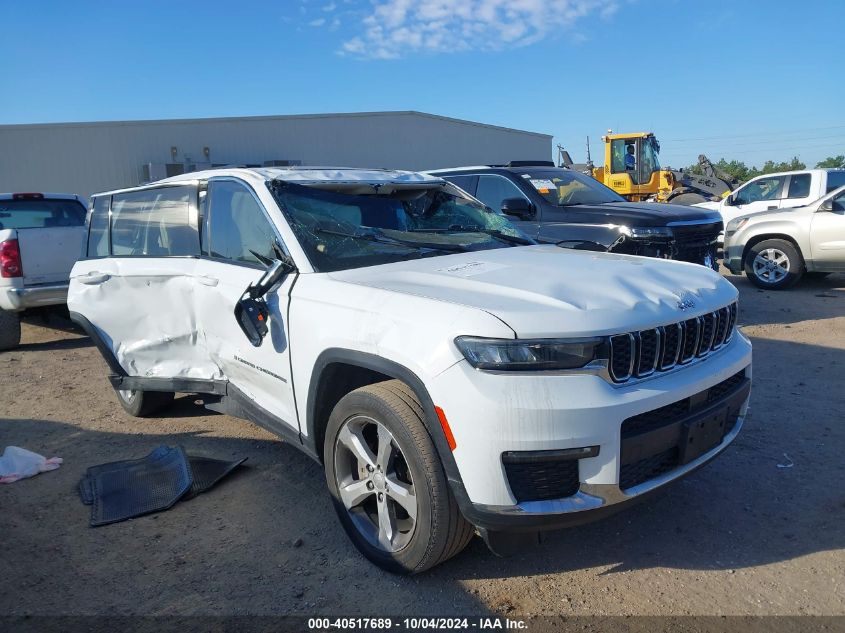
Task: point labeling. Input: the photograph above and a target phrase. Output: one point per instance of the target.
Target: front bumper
(16, 299)
(733, 256)
(524, 413)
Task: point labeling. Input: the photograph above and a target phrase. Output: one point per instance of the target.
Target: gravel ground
(758, 531)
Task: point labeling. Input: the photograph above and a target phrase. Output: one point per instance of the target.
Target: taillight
(10, 259)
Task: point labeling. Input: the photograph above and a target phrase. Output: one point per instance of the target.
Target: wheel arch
(762, 237)
(338, 371)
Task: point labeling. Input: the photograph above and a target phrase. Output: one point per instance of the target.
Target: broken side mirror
(252, 315)
(517, 207)
(827, 205)
(251, 310)
(270, 278)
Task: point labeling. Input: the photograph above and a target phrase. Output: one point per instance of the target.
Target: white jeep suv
(448, 373)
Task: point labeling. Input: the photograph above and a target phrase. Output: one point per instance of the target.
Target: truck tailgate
(48, 254)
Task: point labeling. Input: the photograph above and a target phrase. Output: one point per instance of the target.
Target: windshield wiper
(395, 241)
(505, 237)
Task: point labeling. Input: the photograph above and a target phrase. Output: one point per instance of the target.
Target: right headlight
(530, 354)
(735, 225)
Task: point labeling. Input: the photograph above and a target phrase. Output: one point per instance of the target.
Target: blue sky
(751, 80)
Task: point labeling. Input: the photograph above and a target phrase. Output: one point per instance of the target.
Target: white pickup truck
(41, 237)
(777, 191)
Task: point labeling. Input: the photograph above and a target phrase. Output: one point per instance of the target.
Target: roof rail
(531, 163)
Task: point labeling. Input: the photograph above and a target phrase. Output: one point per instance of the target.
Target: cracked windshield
(378, 225)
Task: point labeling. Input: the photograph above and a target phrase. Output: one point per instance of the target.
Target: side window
(153, 223)
(467, 183)
(238, 228)
(621, 159)
(799, 186)
(98, 229)
(762, 189)
(493, 189)
(835, 179)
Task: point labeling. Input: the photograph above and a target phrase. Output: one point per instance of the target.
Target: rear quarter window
(98, 229)
(835, 179)
(799, 186)
(40, 214)
(154, 223)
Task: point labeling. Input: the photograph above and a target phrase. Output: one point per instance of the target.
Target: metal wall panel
(88, 157)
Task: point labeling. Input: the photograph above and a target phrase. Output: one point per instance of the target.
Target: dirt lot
(759, 531)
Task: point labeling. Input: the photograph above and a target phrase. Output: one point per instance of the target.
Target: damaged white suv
(448, 373)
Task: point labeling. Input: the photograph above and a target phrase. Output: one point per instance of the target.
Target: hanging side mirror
(827, 205)
(277, 270)
(251, 311)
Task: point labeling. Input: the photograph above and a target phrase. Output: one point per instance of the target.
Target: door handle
(770, 208)
(205, 280)
(93, 278)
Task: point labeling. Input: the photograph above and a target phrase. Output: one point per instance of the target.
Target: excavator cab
(631, 165)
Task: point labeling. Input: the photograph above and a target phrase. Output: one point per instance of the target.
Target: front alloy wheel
(387, 482)
(774, 264)
(374, 483)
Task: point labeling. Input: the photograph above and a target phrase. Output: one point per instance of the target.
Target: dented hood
(543, 291)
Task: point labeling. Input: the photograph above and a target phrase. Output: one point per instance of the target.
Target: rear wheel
(10, 329)
(774, 264)
(143, 403)
(387, 483)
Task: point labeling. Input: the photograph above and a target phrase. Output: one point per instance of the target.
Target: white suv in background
(776, 248)
(448, 373)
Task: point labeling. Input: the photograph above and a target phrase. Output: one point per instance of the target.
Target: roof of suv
(308, 176)
(40, 195)
(514, 166)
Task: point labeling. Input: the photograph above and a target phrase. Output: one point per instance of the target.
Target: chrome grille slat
(648, 352)
(621, 347)
(692, 332)
(707, 330)
(640, 354)
(671, 338)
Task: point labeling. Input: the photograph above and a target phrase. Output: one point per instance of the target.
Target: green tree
(770, 167)
(831, 162)
(743, 172)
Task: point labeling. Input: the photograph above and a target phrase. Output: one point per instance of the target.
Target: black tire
(144, 403)
(687, 199)
(786, 268)
(439, 530)
(10, 330)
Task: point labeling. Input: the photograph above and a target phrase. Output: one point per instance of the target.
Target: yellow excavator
(631, 168)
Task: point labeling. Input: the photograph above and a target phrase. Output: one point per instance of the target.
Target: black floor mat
(86, 485)
(152, 484)
(134, 487)
(207, 472)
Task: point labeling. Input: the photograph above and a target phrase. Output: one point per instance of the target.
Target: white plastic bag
(19, 463)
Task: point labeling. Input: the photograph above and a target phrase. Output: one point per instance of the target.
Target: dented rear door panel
(146, 311)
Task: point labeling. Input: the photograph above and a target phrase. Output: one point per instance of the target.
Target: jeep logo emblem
(685, 302)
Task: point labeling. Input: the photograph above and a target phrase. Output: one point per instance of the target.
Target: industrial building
(85, 158)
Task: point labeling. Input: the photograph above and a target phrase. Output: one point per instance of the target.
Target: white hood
(711, 205)
(541, 291)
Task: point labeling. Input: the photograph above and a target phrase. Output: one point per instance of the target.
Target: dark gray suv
(554, 204)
